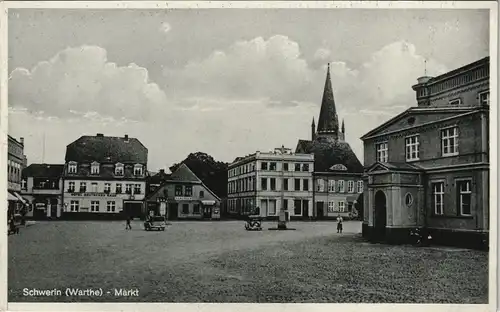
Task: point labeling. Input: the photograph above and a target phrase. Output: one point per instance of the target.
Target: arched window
(94, 169)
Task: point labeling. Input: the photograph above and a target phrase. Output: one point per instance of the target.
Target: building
(428, 167)
(16, 162)
(182, 195)
(271, 181)
(104, 177)
(337, 172)
(42, 187)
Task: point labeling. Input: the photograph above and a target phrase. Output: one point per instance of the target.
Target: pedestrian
(339, 224)
(128, 227)
(13, 227)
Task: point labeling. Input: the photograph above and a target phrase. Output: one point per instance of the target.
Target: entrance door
(173, 211)
(305, 209)
(380, 215)
(320, 206)
(207, 212)
(53, 208)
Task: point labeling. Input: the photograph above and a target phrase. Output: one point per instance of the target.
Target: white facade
(101, 196)
(272, 181)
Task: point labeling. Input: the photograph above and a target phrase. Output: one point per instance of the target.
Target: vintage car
(155, 223)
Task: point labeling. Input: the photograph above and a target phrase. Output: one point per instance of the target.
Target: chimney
(21, 140)
(100, 135)
(162, 171)
(126, 137)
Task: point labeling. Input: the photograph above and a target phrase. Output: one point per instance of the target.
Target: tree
(211, 172)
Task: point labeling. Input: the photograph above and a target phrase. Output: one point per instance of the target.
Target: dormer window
(72, 167)
(138, 170)
(119, 169)
(94, 169)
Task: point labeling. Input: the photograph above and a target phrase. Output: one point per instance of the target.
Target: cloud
(82, 79)
(165, 27)
(322, 54)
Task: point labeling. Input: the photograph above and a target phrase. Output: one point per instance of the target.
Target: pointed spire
(313, 123)
(343, 126)
(328, 120)
(313, 130)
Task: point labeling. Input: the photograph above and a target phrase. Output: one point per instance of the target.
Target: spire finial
(343, 126)
(425, 67)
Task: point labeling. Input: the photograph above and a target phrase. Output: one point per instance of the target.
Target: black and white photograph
(225, 152)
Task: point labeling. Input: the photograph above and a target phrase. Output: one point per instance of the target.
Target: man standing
(128, 227)
(339, 224)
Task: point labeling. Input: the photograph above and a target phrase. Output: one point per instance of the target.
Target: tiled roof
(159, 178)
(105, 149)
(183, 173)
(328, 119)
(328, 153)
(43, 171)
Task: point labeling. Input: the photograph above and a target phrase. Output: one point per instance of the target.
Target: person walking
(339, 224)
(128, 227)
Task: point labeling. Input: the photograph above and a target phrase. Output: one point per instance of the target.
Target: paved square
(221, 262)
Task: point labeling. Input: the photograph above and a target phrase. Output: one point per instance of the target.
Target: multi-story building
(271, 182)
(428, 167)
(104, 177)
(16, 162)
(42, 186)
(182, 195)
(337, 170)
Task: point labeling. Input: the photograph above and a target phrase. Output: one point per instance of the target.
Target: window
(178, 190)
(320, 185)
(118, 188)
(94, 169)
(350, 186)
(305, 167)
(74, 205)
(438, 197)
(263, 184)
(83, 187)
(455, 102)
(202, 194)
(341, 206)
(449, 141)
(297, 184)
(188, 190)
(412, 148)
(297, 208)
(94, 187)
(72, 167)
(263, 165)
(285, 204)
(285, 167)
(137, 189)
(196, 209)
(107, 187)
(285, 184)
(272, 166)
(128, 188)
(360, 186)
(94, 205)
(272, 207)
(341, 186)
(382, 152)
(408, 199)
(331, 207)
(297, 167)
(464, 194)
(24, 185)
(331, 185)
(119, 169)
(484, 98)
(138, 170)
(273, 184)
(305, 185)
(110, 206)
(185, 208)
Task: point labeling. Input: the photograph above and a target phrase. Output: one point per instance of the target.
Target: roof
(328, 119)
(106, 149)
(43, 171)
(159, 178)
(183, 173)
(328, 153)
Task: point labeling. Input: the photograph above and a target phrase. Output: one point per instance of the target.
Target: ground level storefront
(190, 209)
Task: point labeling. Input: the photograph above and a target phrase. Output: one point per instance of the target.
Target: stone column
(49, 208)
(370, 206)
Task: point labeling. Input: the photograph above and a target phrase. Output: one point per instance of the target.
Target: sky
(227, 82)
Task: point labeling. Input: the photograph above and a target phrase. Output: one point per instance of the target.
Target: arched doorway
(380, 215)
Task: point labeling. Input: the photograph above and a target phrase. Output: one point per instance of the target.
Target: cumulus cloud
(82, 79)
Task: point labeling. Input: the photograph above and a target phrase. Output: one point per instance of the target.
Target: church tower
(328, 122)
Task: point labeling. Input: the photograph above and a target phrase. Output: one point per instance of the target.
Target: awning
(12, 197)
(208, 202)
(21, 198)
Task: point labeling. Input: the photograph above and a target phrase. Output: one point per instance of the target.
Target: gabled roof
(413, 111)
(328, 119)
(106, 149)
(328, 153)
(43, 171)
(183, 173)
(379, 166)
